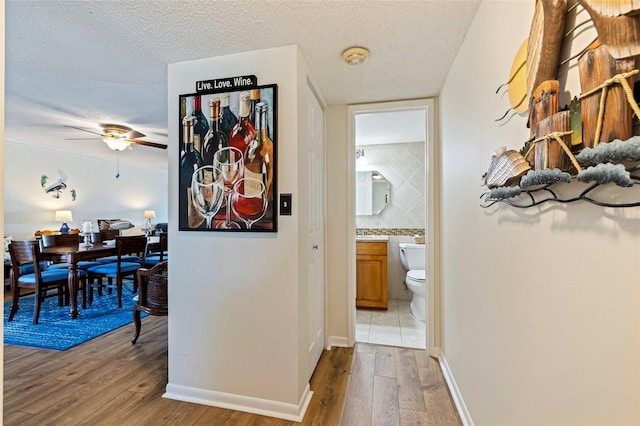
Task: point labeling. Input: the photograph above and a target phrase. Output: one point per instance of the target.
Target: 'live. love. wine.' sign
(241, 82)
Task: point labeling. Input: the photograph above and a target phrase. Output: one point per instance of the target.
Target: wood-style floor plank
(329, 383)
(414, 418)
(410, 390)
(109, 381)
(436, 395)
(360, 394)
(385, 402)
(385, 361)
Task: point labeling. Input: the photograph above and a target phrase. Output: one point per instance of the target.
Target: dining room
(46, 183)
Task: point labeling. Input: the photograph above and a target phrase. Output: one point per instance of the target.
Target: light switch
(285, 204)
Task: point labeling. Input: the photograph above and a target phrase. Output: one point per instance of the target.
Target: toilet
(412, 257)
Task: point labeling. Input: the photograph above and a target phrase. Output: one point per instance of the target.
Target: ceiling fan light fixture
(355, 55)
(116, 144)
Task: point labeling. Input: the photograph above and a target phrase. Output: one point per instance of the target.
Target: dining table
(72, 255)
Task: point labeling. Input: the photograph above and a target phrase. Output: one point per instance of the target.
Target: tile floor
(395, 326)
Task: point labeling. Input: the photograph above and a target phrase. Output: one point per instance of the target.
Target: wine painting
(227, 176)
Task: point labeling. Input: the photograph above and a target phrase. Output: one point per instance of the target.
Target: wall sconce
(361, 160)
(64, 216)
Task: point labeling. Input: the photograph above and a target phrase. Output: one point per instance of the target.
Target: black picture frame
(259, 158)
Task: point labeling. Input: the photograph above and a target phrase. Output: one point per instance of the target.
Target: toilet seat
(416, 275)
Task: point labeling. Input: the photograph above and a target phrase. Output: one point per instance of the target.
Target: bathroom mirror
(373, 192)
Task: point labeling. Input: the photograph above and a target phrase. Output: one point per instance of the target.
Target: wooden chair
(152, 294)
(40, 281)
(161, 255)
(125, 246)
(112, 234)
(109, 234)
(70, 240)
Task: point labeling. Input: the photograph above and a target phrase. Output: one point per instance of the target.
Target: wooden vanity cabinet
(371, 274)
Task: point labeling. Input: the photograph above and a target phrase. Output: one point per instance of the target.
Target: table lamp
(64, 216)
(148, 215)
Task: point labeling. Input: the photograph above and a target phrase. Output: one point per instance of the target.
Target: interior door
(315, 158)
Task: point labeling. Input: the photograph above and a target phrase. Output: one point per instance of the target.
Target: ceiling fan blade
(84, 130)
(147, 143)
(134, 134)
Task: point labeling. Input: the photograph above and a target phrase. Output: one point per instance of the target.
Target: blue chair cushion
(85, 264)
(112, 268)
(49, 276)
(27, 268)
(111, 259)
(154, 260)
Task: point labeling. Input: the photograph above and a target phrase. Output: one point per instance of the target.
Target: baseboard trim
(264, 407)
(463, 412)
(338, 342)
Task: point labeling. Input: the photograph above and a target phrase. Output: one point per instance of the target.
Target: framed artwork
(228, 169)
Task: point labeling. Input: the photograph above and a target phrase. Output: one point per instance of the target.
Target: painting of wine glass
(228, 145)
(249, 200)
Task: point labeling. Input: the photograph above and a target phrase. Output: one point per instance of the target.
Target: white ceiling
(81, 63)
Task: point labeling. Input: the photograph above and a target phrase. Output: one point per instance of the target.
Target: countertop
(372, 238)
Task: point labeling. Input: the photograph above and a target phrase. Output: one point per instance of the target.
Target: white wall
(27, 208)
(540, 307)
(235, 298)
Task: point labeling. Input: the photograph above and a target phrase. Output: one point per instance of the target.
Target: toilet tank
(412, 256)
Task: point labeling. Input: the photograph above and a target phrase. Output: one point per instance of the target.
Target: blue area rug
(55, 330)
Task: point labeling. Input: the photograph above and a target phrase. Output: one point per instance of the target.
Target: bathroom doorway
(392, 193)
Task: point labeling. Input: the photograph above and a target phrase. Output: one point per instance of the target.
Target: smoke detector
(355, 55)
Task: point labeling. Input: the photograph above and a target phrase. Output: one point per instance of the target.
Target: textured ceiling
(81, 63)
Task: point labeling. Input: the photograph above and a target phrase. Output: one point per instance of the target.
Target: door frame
(432, 213)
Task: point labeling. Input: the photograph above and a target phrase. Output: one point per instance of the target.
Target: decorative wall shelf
(535, 195)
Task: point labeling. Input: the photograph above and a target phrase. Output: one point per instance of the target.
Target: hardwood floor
(108, 381)
(397, 386)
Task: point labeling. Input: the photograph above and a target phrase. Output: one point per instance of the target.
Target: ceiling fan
(119, 137)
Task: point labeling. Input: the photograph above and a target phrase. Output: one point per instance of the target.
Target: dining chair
(126, 247)
(40, 281)
(161, 255)
(109, 235)
(152, 294)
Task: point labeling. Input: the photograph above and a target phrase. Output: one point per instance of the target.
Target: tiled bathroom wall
(403, 165)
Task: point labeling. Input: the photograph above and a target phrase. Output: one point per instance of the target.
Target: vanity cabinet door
(371, 275)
